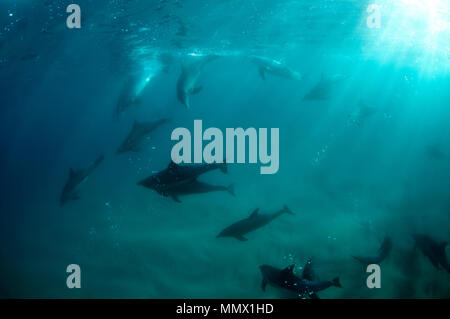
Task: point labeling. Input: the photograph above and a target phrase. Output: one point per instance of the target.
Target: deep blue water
(351, 177)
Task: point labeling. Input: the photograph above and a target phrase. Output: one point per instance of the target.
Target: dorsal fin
(172, 165)
(71, 172)
(136, 123)
(308, 272)
(254, 213)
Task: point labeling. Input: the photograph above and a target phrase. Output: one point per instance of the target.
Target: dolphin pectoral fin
(264, 284)
(196, 90)
(241, 238)
(261, 73)
(175, 198)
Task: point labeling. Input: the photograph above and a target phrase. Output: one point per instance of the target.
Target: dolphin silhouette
(138, 133)
(176, 175)
(76, 177)
(274, 67)
(323, 90)
(251, 223)
(383, 252)
(128, 96)
(433, 250)
(187, 82)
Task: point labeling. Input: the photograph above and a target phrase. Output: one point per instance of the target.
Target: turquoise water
(351, 176)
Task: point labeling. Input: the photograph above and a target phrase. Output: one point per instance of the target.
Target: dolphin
(435, 251)
(286, 279)
(435, 151)
(176, 175)
(362, 112)
(69, 191)
(195, 187)
(128, 96)
(274, 67)
(324, 88)
(138, 133)
(187, 82)
(383, 252)
(251, 223)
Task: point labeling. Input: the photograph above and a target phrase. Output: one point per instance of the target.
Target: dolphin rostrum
(138, 133)
(251, 223)
(383, 252)
(187, 82)
(286, 279)
(435, 251)
(69, 191)
(176, 175)
(274, 67)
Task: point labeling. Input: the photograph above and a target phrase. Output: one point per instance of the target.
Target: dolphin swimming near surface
(323, 90)
(128, 96)
(435, 251)
(187, 82)
(69, 191)
(195, 187)
(286, 279)
(251, 223)
(175, 175)
(266, 65)
(383, 252)
(138, 133)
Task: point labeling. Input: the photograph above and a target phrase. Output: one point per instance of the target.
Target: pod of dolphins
(182, 180)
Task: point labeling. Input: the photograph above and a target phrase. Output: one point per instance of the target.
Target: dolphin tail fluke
(286, 209)
(336, 282)
(230, 189)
